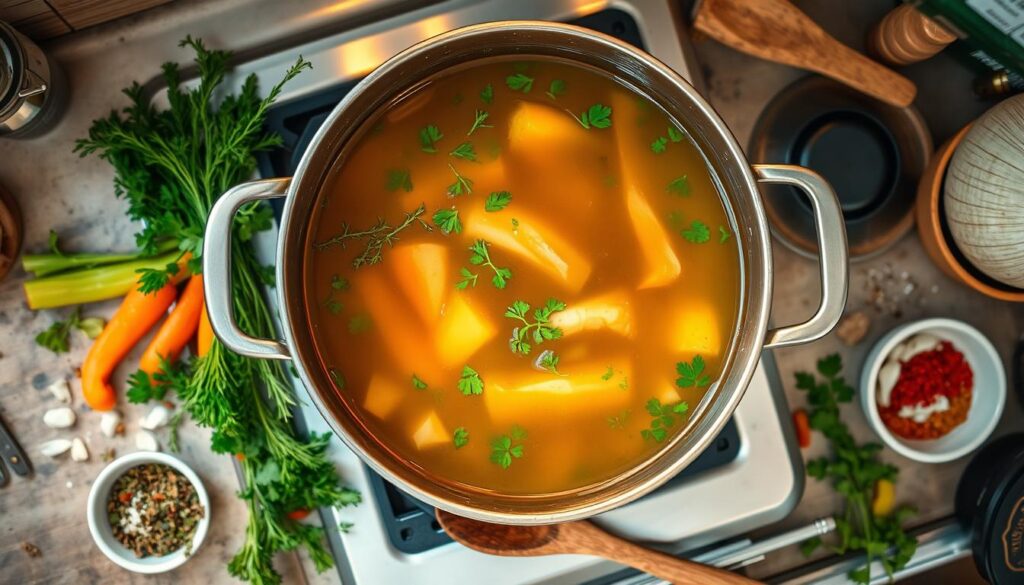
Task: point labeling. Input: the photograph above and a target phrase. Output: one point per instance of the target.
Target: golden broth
(622, 223)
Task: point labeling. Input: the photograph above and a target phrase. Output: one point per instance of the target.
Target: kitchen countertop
(58, 190)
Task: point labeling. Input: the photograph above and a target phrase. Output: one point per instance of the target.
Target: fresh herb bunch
(854, 469)
(171, 166)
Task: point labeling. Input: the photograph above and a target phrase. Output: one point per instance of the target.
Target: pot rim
(721, 398)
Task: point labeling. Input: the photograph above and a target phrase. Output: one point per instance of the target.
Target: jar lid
(999, 545)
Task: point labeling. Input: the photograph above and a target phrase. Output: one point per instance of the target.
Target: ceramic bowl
(99, 526)
(989, 392)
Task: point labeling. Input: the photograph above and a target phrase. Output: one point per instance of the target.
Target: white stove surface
(760, 486)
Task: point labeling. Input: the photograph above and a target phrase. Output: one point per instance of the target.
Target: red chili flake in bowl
(942, 371)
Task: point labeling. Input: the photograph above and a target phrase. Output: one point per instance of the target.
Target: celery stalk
(46, 264)
(90, 285)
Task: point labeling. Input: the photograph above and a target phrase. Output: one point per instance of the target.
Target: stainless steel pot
(33, 91)
(646, 75)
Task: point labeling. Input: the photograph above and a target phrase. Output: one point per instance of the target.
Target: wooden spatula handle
(777, 31)
(592, 540)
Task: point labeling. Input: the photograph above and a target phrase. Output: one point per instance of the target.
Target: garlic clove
(896, 355)
(59, 418)
(146, 441)
(156, 418)
(55, 447)
(60, 391)
(108, 423)
(920, 344)
(888, 375)
(78, 450)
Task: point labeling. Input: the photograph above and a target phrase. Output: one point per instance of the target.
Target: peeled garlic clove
(108, 423)
(156, 418)
(78, 450)
(887, 378)
(146, 441)
(920, 344)
(59, 418)
(55, 447)
(896, 355)
(60, 391)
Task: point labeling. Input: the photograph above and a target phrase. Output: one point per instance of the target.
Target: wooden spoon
(581, 538)
(777, 31)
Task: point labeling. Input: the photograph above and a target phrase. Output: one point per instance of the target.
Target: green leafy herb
(56, 337)
(674, 134)
(723, 234)
(556, 88)
(607, 375)
(487, 94)
(618, 421)
(461, 436)
(481, 257)
(624, 383)
(417, 383)
(548, 360)
(506, 447)
(399, 179)
(334, 306)
(663, 418)
(854, 470)
(697, 233)
(470, 382)
(692, 373)
(464, 151)
(659, 144)
(519, 82)
(461, 186)
(338, 283)
(376, 236)
(360, 323)
(447, 220)
(53, 243)
(479, 122)
(540, 329)
(679, 186)
(143, 387)
(497, 200)
(468, 279)
(597, 116)
(429, 136)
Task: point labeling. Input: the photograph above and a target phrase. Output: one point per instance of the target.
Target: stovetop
(749, 477)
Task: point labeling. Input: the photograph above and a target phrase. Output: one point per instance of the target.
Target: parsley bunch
(171, 166)
(854, 469)
(540, 329)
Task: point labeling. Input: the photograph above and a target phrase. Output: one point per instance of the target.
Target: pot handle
(217, 269)
(833, 258)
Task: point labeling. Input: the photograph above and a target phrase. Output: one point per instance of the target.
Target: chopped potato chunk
(612, 312)
(430, 432)
(543, 397)
(383, 396)
(422, 272)
(660, 261)
(533, 242)
(534, 124)
(463, 331)
(694, 330)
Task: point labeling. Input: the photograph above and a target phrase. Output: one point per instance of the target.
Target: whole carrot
(136, 316)
(177, 330)
(204, 340)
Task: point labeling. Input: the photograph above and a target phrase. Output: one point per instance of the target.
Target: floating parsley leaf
(461, 186)
(399, 179)
(697, 233)
(429, 135)
(464, 151)
(470, 382)
(556, 88)
(597, 116)
(663, 417)
(359, 323)
(692, 374)
(479, 122)
(487, 94)
(679, 186)
(497, 200)
(607, 375)
(339, 282)
(519, 82)
(548, 360)
(447, 220)
(618, 421)
(468, 279)
(539, 330)
(723, 234)
(658, 146)
(334, 306)
(503, 451)
(461, 436)
(674, 134)
(417, 383)
(481, 256)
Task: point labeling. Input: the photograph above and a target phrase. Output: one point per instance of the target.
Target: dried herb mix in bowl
(154, 510)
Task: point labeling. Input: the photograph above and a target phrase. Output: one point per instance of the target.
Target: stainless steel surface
(32, 91)
(833, 258)
(537, 39)
(217, 268)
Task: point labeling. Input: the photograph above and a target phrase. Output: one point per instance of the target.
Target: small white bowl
(99, 524)
(989, 392)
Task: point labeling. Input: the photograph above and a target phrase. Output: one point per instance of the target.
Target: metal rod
(819, 527)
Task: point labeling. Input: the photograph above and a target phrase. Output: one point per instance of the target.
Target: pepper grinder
(907, 36)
